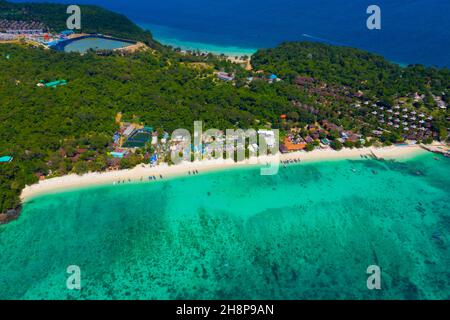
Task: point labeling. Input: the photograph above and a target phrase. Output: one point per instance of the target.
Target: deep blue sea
(413, 31)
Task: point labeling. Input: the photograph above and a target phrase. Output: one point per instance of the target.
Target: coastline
(73, 181)
(165, 36)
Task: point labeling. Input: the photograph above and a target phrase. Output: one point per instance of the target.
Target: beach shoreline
(161, 35)
(142, 172)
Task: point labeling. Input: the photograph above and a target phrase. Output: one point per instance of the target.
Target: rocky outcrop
(9, 215)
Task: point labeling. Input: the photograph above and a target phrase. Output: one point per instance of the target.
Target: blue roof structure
(116, 137)
(5, 159)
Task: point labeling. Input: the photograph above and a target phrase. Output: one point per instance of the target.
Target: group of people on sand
(122, 181)
(150, 178)
(155, 178)
(291, 161)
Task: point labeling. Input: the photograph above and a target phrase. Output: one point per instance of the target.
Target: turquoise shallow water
(168, 36)
(308, 233)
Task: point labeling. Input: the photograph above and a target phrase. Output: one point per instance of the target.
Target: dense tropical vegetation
(36, 122)
(42, 128)
(340, 77)
(353, 68)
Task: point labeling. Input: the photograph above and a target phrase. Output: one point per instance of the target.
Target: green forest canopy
(161, 89)
(351, 67)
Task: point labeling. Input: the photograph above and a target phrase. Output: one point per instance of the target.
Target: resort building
(273, 78)
(308, 139)
(154, 139)
(409, 122)
(129, 130)
(21, 27)
(6, 159)
(331, 126)
(325, 141)
(67, 33)
(154, 160)
(225, 76)
(7, 37)
(116, 137)
(291, 145)
(268, 136)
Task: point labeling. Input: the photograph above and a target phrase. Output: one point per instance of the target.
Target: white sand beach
(143, 172)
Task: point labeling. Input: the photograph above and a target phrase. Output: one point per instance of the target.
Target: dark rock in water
(204, 272)
(436, 235)
(294, 275)
(11, 212)
(411, 291)
(275, 270)
(10, 215)
(209, 194)
(420, 209)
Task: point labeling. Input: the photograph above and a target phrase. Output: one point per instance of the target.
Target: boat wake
(305, 35)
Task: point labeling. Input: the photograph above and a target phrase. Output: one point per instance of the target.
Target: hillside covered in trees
(94, 19)
(349, 83)
(354, 68)
(36, 122)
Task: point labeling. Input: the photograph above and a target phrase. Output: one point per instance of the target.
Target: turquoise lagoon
(309, 232)
(82, 45)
